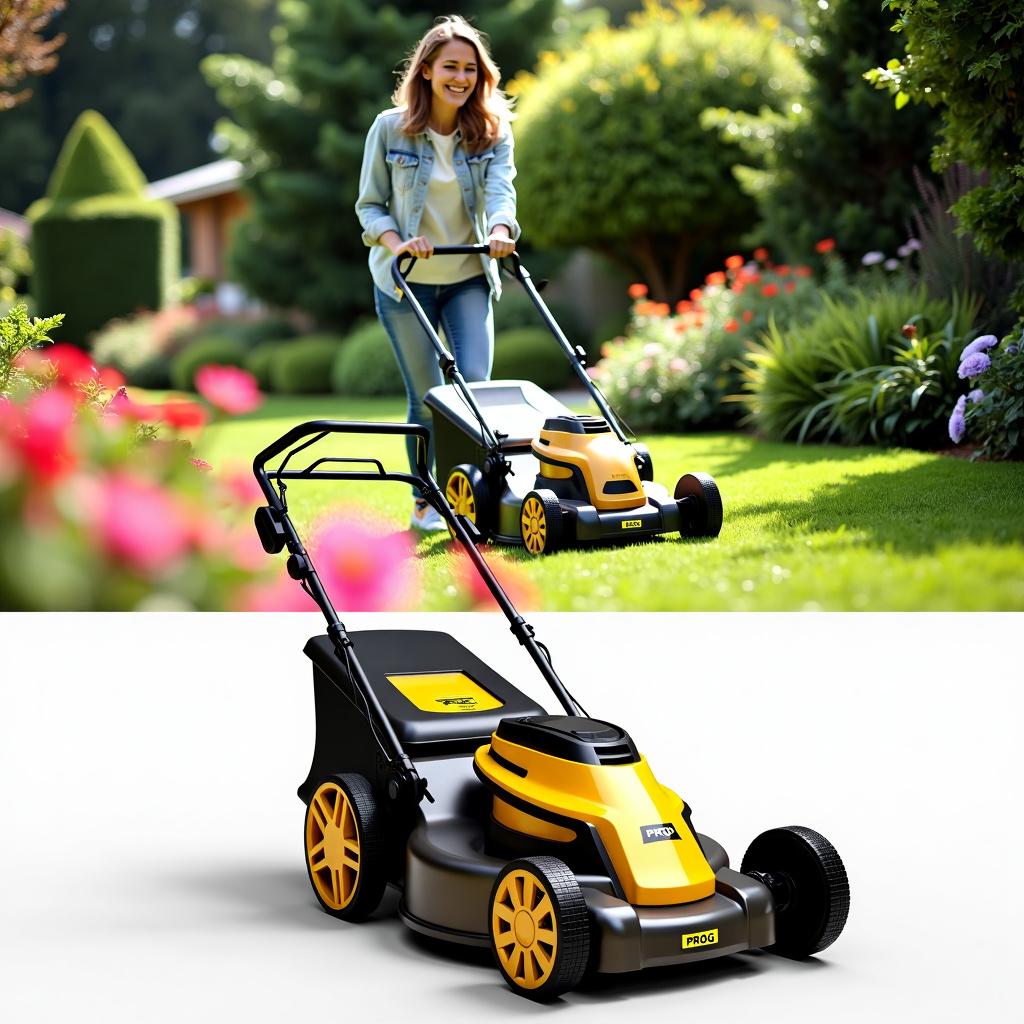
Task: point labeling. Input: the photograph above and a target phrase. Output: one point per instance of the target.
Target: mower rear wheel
(701, 512)
(540, 522)
(469, 495)
(808, 883)
(540, 932)
(344, 844)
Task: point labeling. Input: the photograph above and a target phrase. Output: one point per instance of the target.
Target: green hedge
(303, 366)
(530, 353)
(515, 309)
(365, 365)
(259, 360)
(205, 351)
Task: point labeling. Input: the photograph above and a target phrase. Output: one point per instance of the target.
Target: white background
(150, 836)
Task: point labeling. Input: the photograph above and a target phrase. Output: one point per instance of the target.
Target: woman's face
(452, 73)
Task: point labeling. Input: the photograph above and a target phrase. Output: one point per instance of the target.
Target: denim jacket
(393, 191)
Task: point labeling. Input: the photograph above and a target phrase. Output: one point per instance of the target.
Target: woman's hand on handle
(500, 242)
(421, 247)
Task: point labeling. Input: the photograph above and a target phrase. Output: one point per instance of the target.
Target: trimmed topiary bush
(303, 366)
(206, 351)
(365, 365)
(530, 353)
(101, 249)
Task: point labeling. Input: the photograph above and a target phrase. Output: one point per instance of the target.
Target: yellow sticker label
(444, 692)
(695, 939)
(631, 524)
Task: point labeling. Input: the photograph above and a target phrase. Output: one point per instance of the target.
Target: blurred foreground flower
(470, 589)
(229, 389)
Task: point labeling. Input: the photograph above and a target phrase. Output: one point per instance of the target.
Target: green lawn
(805, 527)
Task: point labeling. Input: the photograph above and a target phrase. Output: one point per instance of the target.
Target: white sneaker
(425, 517)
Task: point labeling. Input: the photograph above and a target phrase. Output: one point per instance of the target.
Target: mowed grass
(812, 527)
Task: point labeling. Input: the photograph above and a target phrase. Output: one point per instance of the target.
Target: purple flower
(870, 259)
(986, 341)
(975, 396)
(974, 364)
(909, 246)
(956, 420)
(891, 264)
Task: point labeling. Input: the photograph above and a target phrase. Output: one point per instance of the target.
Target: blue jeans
(463, 309)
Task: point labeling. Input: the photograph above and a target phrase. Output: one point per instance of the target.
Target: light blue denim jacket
(393, 191)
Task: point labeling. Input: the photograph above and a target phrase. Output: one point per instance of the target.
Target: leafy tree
(23, 50)
(137, 62)
(300, 125)
(610, 149)
(842, 165)
(966, 58)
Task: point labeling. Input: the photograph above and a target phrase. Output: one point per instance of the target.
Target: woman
(438, 170)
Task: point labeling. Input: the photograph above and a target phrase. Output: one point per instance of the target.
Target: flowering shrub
(141, 347)
(992, 412)
(676, 368)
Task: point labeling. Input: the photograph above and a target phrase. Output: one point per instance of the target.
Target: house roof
(14, 223)
(199, 183)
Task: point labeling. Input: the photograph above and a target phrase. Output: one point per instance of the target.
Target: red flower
(761, 254)
(748, 315)
(782, 270)
(646, 308)
(183, 415)
(122, 405)
(662, 309)
(732, 326)
(73, 366)
(696, 295)
(803, 271)
(684, 306)
(739, 285)
(46, 438)
(716, 277)
(769, 291)
(790, 287)
(748, 277)
(637, 290)
(515, 583)
(908, 331)
(825, 245)
(111, 379)
(230, 389)
(734, 262)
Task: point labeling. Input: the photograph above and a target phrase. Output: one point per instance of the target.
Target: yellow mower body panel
(654, 853)
(602, 459)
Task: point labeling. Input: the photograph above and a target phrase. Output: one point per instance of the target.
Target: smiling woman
(438, 170)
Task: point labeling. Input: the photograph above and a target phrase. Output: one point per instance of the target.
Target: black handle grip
(403, 264)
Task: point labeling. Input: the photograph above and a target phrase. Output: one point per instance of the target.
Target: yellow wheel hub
(332, 845)
(459, 493)
(524, 929)
(535, 526)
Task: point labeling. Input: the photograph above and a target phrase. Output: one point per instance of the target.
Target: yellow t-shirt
(445, 220)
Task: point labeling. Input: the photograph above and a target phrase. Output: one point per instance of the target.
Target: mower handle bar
(402, 264)
(299, 561)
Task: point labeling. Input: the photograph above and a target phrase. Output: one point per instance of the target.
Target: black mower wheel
(344, 844)
(644, 462)
(702, 511)
(540, 930)
(540, 522)
(808, 883)
(469, 495)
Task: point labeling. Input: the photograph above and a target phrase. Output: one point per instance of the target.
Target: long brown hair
(481, 116)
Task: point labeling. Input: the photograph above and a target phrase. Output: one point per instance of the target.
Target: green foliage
(19, 332)
(879, 366)
(966, 57)
(15, 266)
(101, 249)
(141, 347)
(610, 148)
(996, 419)
(841, 166)
(530, 353)
(259, 361)
(303, 366)
(515, 309)
(365, 364)
(205, 351)
(299, 127)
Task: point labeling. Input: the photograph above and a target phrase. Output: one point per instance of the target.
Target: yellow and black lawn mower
(546, 837)
(521, 468)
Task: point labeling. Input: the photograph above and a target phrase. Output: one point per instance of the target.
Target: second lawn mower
(521, 468)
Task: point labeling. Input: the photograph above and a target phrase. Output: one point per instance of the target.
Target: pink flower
(515, 583)
(230, 389)
(201, 464)
(111, 379)
(282, 594)
(363, 570)
(239, 487)
(46, 440)
(139, 524)
(122, 405)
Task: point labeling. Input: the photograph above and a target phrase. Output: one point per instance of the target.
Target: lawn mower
(523, 469)
(545, 837)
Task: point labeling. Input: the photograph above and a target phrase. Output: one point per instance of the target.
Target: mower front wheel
(540, 931)
(700, 505)
(809, 886)
(345, 847)
(540, 522)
